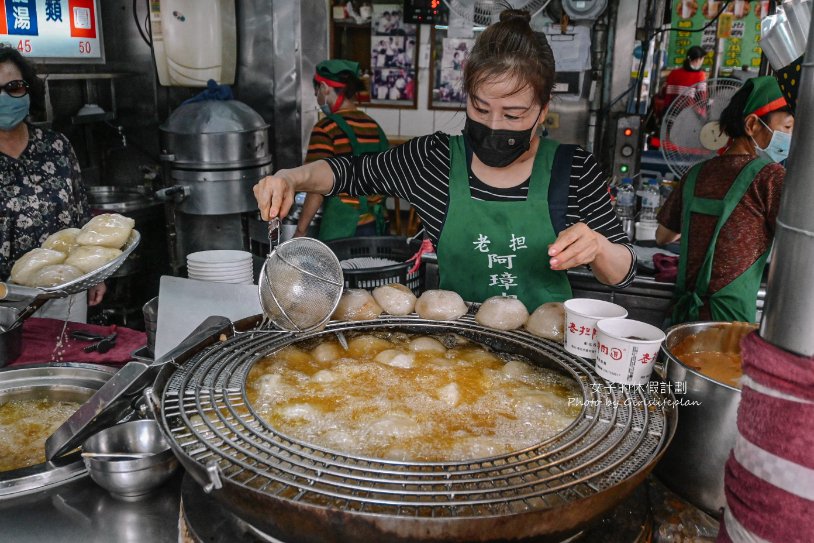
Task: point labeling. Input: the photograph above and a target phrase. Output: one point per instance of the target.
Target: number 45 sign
(52, 29)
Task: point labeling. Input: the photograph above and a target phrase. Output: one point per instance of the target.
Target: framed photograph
(448, 57)
(393, 48)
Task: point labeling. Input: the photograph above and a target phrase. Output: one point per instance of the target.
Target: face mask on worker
(13, 110)
(497, 148)
(778, 148)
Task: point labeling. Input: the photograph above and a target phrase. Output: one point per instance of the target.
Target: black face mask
(497, 148)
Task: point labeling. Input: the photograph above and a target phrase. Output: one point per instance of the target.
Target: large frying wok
(297, 492)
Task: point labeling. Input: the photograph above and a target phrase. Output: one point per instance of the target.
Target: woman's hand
(96, 294)
(274, 195)
(575, 246)
(578, 245)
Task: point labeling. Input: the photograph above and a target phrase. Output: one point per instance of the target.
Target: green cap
(765, 96)
(330, 69)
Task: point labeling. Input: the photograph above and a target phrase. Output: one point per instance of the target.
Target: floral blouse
(41, 192)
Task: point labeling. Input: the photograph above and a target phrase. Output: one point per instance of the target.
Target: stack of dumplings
(73, 252)
(498, 312)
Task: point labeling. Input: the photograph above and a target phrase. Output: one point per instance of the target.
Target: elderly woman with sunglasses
(41, 188)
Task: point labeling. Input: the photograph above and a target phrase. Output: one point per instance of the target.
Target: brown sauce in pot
(715, 352)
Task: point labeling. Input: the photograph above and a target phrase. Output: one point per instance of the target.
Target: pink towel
(40, 338)
(768, 494)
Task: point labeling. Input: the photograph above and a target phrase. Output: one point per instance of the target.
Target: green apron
(339, 219)
(500, 248)
(737, 300)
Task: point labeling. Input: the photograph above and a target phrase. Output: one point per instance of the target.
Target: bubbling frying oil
(410, 398)
(25, 424)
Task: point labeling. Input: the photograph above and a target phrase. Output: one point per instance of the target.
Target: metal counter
(83, 512)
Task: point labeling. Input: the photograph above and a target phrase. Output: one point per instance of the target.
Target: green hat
(329, 70)
(765, 96)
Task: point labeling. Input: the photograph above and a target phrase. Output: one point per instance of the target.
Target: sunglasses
(17, 88)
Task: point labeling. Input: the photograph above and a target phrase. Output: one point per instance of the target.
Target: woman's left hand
(575, 246)
(96, 294)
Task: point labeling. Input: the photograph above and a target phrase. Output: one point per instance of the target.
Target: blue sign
(21, 17)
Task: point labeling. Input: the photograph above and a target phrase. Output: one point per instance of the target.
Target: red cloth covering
(40, 338)
(781, 427)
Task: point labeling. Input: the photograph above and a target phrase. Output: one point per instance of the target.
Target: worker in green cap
(725, 209)
(344, 130)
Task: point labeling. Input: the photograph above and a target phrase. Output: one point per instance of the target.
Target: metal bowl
(693, 466)
(127, 477)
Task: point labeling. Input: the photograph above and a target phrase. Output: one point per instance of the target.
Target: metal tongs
(103, 343)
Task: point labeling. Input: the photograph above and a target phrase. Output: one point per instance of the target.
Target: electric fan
(486, 12)
(689, 130)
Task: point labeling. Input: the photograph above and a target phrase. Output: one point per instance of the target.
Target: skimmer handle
(274, 233)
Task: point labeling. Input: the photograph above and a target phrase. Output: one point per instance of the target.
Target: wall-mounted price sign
(52, 30)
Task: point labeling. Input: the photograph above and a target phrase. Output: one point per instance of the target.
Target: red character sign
(83, 18)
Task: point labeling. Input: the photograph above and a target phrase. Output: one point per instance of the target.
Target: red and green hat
(765, 96)
(328, 71)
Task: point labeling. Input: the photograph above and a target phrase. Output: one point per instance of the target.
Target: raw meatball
(89, 257)
(33, 261)
(107, 230)
(440, 305)
(357, 304)
(395, 298)
(55, 275)
(502, 313)
(548, 321)
(63, 241)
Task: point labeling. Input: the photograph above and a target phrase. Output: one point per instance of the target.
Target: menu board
(738, 26)
(57, 30)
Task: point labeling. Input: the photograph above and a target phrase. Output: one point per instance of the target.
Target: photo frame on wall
(393, 58)
(448, 56)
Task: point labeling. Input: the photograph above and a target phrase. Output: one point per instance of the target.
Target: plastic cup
(581, 315)
(626, 350)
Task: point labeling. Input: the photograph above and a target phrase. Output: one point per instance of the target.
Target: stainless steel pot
(693, 466)
(297, 492)
(66, 382)
(218, 150)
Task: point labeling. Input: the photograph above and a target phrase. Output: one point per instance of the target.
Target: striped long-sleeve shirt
(418, 172)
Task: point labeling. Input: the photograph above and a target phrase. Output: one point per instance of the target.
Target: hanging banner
(740, 29)
(52, 29)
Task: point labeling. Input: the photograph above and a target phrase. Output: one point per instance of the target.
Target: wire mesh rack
(619, 432)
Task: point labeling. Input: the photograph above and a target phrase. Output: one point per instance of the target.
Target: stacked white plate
(221, 266)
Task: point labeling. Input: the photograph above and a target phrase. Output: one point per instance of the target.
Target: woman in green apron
(343, 130)
(507, 210)
(725, 209)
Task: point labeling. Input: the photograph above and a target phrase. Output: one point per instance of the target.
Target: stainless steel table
(83, 512)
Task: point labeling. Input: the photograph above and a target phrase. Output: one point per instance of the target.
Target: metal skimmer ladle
(300, 283)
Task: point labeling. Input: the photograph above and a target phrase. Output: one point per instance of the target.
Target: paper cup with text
(626, 350)
(581, 315)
